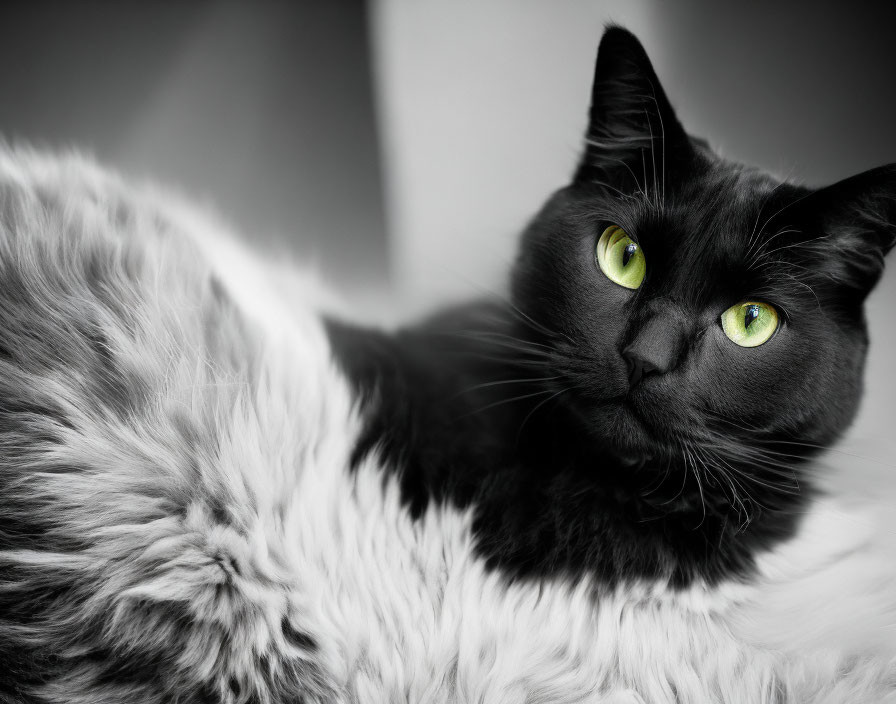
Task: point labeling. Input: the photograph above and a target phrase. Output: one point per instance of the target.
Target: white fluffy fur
(217, 503)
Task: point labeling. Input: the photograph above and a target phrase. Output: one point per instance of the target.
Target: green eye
(750, 324)
(620, 258)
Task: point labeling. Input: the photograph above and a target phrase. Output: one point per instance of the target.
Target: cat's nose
(655, 350)
(638, 368)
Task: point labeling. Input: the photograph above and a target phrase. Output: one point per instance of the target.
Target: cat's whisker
(503, 336)
(719, 417)
(735, 475)
(773, 469)
(806, 243)
(839, 451)
(754, 238)
(751, 449)
(656, 191)
(503, 382)
(762, 251)
(537, 406)
(733, 472)
(804, 285)
(644, 174)
(640, 190)
(684, 481)
(755, 235)
(505, 351)
(539, 364)
(510, 355)
(659, 113)
(781, 210)
(659, 481)
(479, 333)
(697, 473)
(770, 466)
(733, 483)
(504, 401)
(518, 313)
(795, 265)
(766, 442)
(615, 190)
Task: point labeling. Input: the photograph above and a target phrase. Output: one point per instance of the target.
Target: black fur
(618, 433)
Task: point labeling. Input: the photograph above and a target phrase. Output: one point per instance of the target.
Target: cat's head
(700, 312)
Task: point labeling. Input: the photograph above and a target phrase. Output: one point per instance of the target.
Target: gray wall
(264, 109)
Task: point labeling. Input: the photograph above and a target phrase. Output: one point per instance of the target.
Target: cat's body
(211, 489)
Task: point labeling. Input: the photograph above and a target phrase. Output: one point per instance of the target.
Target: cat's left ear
(632, 131)
(857, 217)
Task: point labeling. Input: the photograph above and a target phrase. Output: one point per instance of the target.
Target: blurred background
(402, 144)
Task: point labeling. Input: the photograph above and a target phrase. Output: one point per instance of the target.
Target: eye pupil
(750, 314)
(628, 253)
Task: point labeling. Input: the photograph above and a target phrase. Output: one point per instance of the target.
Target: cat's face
(733, 333)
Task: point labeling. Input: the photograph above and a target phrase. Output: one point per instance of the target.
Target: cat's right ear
(852, 226)
(633, 133)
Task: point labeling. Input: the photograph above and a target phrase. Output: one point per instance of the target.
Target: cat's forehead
(705, 234)
(720, 211)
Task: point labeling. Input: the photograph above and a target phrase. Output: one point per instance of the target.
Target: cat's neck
(459, 409)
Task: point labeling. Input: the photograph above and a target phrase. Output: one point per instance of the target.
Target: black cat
(683, 333)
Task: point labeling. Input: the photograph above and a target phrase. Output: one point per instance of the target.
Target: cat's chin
(626, 434)
(636, 429)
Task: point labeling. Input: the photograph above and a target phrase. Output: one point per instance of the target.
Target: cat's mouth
(625, 431)
(636, 428)
(636, 425)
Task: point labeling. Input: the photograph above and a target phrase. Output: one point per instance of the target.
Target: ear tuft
(630, 119)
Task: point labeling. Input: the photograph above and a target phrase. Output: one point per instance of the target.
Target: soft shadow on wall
(263, 109)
